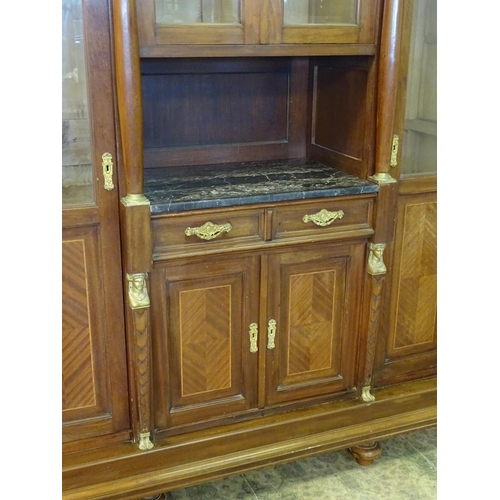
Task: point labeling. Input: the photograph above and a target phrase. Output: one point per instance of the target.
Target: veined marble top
(194, 187)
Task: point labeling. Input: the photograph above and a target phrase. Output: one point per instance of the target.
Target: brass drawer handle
(323, 217)
(208, 231)
(271, 333)
(254, 332)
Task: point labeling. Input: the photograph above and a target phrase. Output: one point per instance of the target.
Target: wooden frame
(152, 33)
(363, 32)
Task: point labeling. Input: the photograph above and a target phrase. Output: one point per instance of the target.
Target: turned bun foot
(366, 453)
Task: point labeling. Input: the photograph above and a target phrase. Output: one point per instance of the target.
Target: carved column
(138, 301)
(377, 269)
(366, 453)
(386, 150)
(135, 217)
(386, 142)
(129, 93)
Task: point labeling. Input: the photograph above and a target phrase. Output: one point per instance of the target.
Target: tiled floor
(407, 470)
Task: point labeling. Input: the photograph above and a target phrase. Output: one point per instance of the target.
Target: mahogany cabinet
(249, 236)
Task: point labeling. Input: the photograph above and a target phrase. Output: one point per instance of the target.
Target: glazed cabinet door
(94, 376)
(407, 347)
(313, 310)
(419, 155)
(252, 22)
(205, 317)
(322, 21)
(198, 22)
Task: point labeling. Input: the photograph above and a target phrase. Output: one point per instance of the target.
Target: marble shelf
(209, 186)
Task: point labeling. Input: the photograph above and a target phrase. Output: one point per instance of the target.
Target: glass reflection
(198, 11)
(320, 12)
(420, 136)
(77, 178)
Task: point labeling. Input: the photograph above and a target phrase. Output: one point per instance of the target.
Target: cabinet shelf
(209, 186)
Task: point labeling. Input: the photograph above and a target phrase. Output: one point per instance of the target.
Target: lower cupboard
(235, 336)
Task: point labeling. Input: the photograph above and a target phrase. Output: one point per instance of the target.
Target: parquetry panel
(417, 287)
(205, 340)
(311, 321)
(78, 377)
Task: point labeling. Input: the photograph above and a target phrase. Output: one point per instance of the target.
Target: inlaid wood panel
(313, 301)
(78, 367)
(312, 331)
(415, 278)
(84, 372)
(407, 346)
(202, 313)
(205, 340)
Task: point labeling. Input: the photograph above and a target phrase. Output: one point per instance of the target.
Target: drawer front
(329, 218)
(207, 230)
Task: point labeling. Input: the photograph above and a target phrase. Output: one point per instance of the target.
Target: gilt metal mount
(138, 297)
(144, 441)
(107, 171)
(208, 231)
(323, 217)
(376, 265)
(254, 332)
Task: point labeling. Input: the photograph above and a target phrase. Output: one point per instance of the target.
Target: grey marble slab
(210, 186)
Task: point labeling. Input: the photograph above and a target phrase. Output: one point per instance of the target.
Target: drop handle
(208, 231)
(323, 217)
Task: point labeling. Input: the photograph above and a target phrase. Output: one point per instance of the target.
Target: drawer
(208, 230)
(329, 218)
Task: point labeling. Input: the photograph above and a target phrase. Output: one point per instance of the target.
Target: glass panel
(77, 172)
(198, 11)
(320, 12)
(420, 136)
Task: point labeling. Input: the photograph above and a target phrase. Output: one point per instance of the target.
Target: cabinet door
(323, 21)
(199, 22)
(204, 367)
(314, 298)
(94, 376)
(407, 339)
(410, 331)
